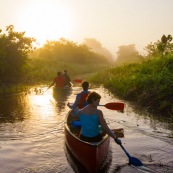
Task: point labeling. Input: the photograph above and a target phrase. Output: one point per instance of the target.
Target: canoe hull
(90, 155)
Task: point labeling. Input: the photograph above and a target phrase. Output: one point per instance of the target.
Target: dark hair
(59, 73)
(85, 85)
(91, 96)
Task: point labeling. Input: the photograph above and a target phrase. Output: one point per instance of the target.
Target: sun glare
(42, 104)
(47, 21)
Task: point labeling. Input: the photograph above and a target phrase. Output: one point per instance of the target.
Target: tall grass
(149, 84)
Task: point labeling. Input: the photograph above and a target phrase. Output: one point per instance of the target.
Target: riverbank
(148, 84)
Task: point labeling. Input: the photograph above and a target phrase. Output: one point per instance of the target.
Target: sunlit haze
(45, 20)
(111, 22)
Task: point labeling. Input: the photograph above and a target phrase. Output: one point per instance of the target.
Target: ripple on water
(32, 136)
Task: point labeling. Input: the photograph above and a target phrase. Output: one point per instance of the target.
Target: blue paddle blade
(134, 161)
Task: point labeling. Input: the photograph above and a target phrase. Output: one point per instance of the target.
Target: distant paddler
(80, 100)
(58, 81)
(67, 79)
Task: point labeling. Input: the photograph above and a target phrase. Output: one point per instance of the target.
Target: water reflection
(150, 122)
(12, 108)
(61, 96)
(32, 134)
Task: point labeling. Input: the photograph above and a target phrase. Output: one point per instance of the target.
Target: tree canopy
(161, 47)
(19, 62)
(69, 51)
(14, 49)
(97, 47)
(128, 54)
(63, 54)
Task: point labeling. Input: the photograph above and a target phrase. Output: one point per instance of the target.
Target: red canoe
(90, 155)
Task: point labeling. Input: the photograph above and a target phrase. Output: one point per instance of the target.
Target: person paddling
(80, 100)
(59, 81)
(90, 118)
(67, 79)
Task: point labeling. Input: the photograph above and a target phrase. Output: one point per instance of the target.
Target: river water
(32, 135)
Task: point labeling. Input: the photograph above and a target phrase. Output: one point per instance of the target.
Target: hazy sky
(111, 22)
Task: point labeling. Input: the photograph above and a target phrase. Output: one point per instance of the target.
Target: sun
(47, 21)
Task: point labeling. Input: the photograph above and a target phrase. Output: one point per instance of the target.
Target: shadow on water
(61, 96)
(12, 108)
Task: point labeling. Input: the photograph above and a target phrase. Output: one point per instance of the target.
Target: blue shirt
(89, 125)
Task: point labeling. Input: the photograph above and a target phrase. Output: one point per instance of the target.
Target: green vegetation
(63, 54)
(21, 64)
(14, 49)
(149, 83)
(147, 80)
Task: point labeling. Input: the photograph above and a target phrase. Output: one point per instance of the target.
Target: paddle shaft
(128, 155)
(47, 89)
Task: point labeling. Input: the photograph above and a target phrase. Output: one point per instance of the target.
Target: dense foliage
(14, 49)
(149, 83)
(63, 54)
(162, 47)
(20, 63)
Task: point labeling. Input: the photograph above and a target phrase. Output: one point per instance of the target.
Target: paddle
(47, 89)
(114, 106)
(78, 80)
(132, 160)
(120, 106)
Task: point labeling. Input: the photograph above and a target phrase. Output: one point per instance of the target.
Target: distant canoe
(90, 155)
(61, 94)
(64, 88)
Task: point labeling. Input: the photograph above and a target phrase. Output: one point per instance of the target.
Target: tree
(128, 54)
(162, 47)
(67, 51)
(97, 47)
(14, 49)
(63, 54)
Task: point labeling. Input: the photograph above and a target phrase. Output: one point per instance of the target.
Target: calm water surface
(32, 135)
